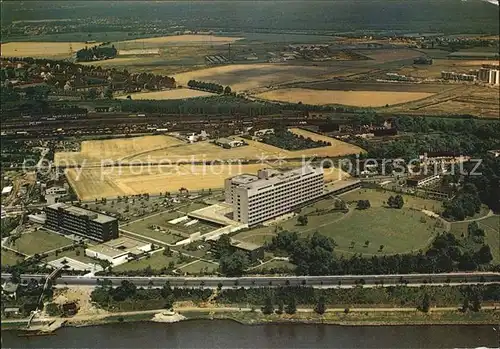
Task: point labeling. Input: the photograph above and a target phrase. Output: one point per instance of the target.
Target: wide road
(260, 281)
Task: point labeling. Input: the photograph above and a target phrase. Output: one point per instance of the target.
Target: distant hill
(448, 16)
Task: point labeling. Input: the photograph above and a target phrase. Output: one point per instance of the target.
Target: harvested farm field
(243, 77)
(180, 93)
(177, 40)
(92, 183)
(41, 49)
(390, 55)
(169, 150)
(351, 98)
(114, 149)
(376, 86)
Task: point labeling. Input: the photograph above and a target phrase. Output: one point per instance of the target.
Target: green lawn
(398, 230)
(72, 254)
(198, 267)
(142, 227)
(192, 207)
(10, 258)
(491, 227)
(156, 262)
(274, 264)
(378, 197)
(40, 241)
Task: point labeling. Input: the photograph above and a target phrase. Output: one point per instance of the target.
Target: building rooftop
(78, 211)
(244, 179)
(422, 176)
(269, 177)
(119, 246)
(10, 287)
(107, 250)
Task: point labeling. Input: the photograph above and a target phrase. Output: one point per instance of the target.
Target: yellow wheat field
(93, 152)
(169, 150)
(153, 164)
(93, 183)
(179, 93)
(243, 77)
(352, 98)
(42, 49)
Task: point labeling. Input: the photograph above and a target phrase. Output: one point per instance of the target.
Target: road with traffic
(276, 281)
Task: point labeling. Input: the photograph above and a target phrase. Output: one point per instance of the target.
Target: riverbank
(249, 316)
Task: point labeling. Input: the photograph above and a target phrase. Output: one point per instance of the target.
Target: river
(229, 334)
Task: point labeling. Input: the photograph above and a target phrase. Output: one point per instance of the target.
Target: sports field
(352, 98)
(179, 93)
(42, 49)
(39, 241)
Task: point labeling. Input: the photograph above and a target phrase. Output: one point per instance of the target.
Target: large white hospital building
(271, 193)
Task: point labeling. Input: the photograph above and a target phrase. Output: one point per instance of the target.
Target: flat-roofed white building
(119, 251)
(271, 193)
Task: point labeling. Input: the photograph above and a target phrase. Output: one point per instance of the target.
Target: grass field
(274, 264)
(142, 227)
(156, 262)
(378, 197)
(168, 94)
(352, 98)
(199, 267)
(399, 231)
(40, 241)
(42, 49)
(72, 254)
(10, 258)
(491, 227)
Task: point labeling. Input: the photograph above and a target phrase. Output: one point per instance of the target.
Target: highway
(275, 281)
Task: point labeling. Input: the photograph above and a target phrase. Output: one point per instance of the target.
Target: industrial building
(229, 143)
(450, 75)
(422, 180)
(69, 219)
(119, 251)
(271, 193)
(490, 74)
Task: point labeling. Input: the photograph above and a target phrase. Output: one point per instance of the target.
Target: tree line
(284, 139)
(88, 54)
(209, 86)
(278, 298)
(127, 296)
(315, 255)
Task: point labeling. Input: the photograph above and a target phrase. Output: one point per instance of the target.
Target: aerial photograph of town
(250, 174)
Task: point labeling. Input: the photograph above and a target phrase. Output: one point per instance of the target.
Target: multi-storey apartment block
(69, 219)
(272, 193)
